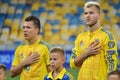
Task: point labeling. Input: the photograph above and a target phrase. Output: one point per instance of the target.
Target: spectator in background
(114, 75)
(95, 51)
(3, 75)
(57, 59)
(31, 60)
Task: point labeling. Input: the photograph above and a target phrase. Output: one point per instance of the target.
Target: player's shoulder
(68, 76)
(46, 44)
(107, 33)
(20, 47)
(83, 34)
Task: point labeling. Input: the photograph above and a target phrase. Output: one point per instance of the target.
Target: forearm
(93, 49)
(80, 59)
(16, 70)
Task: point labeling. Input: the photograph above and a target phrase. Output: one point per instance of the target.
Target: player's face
(113, 77)
(29, 30)
(2, 74)
(91, 16)
(56, 60)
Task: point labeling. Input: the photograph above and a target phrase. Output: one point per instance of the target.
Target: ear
(63, 60)
(100, 15)
(37, 30)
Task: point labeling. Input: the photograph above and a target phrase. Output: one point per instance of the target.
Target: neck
(94, 27)
(58, 70)
(32, 40)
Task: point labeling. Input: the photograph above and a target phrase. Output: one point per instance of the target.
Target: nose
(51, 61)
(87, 15)
(24, 29)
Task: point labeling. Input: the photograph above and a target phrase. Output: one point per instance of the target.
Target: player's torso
(35, 70)
(92, 65)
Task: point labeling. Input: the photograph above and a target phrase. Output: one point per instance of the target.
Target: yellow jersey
(35, 71)
(63, 75)
(95, 67)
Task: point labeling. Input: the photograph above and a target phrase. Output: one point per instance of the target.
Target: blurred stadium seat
(61, 20)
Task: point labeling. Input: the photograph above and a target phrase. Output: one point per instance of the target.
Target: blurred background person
(114, 75)
(3, 72)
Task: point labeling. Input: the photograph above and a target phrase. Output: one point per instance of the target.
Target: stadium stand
(61, 20)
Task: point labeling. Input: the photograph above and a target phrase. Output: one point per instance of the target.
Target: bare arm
(93, 49)
(16, 70)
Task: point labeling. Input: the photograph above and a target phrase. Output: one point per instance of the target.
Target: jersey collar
(96, 31)
(60, 76)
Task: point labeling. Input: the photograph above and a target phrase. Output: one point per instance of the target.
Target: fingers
(32, 58)
(94, 44)
(35, 57)
(98, 47)
(94, 48)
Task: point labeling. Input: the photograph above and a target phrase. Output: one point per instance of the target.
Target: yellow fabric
(95, 67)
(61, 75)
(38, 70)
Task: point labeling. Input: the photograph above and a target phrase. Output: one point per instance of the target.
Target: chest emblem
(81, 44)
(21, 55)
(97, 40)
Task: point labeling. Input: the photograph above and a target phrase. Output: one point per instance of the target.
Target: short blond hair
(93, 3)
(59, 50)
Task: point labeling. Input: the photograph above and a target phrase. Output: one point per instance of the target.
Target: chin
(53, 67)
(26, 38)
(90, 25)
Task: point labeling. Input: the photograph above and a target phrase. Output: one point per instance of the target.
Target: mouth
(53, 66)
(88, 20)
(25, 35)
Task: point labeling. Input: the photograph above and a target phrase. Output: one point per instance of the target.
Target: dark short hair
(115, 72)
(3, 67)
(58, 50)
(35, 20)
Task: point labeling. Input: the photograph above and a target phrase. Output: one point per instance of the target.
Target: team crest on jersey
(21, 55)
(81, 44)
(27, 68)
(35, 52)
(97, 40)
(111, 44)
